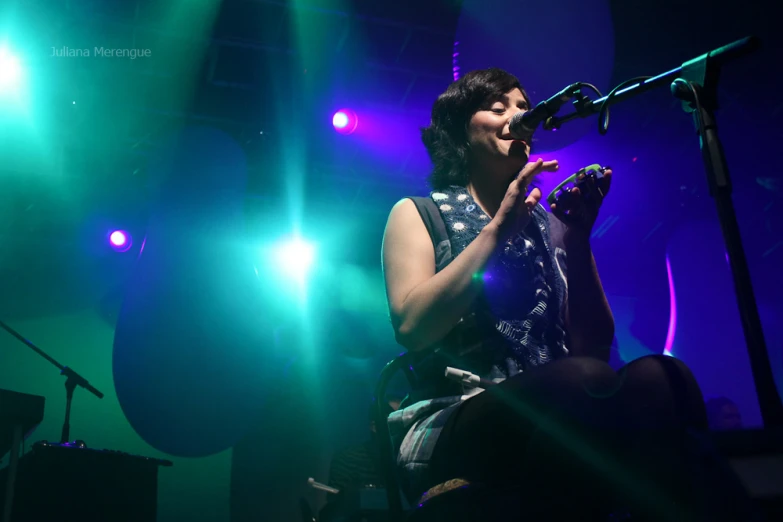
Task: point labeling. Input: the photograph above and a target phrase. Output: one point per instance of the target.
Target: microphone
(523, 124)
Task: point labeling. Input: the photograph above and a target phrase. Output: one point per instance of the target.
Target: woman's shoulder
(405, 219)
(404, 206)
(411, 207)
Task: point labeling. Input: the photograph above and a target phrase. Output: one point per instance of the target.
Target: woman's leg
(549, 430)
(573, 431)
(680, 475)
(662, 394)
(662, 401)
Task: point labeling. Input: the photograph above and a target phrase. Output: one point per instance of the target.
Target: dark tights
(574, 436)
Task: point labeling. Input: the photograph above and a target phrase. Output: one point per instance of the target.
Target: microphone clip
(582, 105)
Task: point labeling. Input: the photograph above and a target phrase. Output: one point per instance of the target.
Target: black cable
(603, 113)
(696, 102)
(580, 102)
(592, 88)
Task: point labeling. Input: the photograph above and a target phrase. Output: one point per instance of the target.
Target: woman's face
(491, 144)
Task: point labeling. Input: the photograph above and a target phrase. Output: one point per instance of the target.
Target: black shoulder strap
(432, 219)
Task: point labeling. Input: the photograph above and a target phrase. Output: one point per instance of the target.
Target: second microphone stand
(72, 380)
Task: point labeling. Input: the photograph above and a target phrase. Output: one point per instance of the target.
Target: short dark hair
(446, 137)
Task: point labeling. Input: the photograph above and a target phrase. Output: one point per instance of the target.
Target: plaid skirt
(414, 432)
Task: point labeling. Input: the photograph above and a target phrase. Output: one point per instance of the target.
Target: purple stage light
(120, 240)
(345, 121)
(667, 348)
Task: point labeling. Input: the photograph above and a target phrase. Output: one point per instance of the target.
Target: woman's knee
(661, 370)
(666, 382)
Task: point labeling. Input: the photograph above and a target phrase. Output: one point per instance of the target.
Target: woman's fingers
(533, 198)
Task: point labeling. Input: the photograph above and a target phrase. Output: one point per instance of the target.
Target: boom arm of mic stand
(716, 57)
(699, 79)
(594, 106)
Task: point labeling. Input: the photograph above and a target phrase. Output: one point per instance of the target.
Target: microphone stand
(695, 83)
(72, 380)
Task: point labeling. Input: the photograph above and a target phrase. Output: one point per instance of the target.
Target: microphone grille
(517, 127)
(516, 119)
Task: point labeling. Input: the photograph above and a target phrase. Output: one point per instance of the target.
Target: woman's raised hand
(517, 205)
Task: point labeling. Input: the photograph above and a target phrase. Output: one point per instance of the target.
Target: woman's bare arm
(424, 305)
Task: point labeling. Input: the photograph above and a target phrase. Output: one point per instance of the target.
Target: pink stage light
(345, 121)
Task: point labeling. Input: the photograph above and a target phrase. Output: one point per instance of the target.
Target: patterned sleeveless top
(523, 291)
(515, 324)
